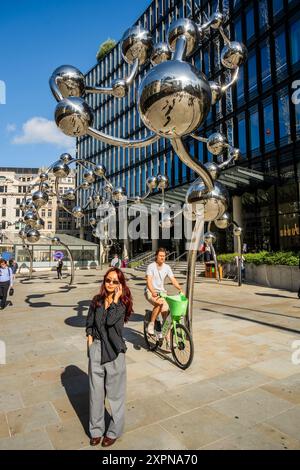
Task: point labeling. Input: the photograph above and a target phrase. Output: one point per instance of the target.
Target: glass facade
(258, 114)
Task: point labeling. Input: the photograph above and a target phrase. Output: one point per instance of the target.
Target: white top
(114, 262)
(159, 273)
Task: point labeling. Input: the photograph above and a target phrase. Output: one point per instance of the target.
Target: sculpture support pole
(239, 260)
(71, 260)
(191, 268)
(215, 261)
(30, 260)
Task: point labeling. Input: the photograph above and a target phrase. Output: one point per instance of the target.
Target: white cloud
(11, 128)
(39, 130)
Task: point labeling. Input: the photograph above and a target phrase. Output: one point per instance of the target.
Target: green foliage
(287, 258)
(104, 48)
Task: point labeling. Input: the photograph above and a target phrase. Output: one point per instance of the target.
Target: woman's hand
(89, 340)
(118, 293)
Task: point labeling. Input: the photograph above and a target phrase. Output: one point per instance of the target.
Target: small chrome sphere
(188, 29)
(137, 200)
(216, 92)
(108, 188)
(152, 182)
(44, 186)
(213, 170)
(162, 181)
(88, 175)
(223, 222)
(69, 80)
(30, 218)
(235, 153)
(92, 221)
(22, 206)
(66, 158)
(40, 224)
(97, 198)
(237, 231)
(40, 198)
(77, 212)
(174, 99)
(73, 116)
(44, 176)
(32, 207)
(85, 185)
(70, 195)
(22, 233)
(33, 235)
(120, 88)
(215, 202)
(119, 194)
(60, 203)
(166, 221)
(136, 43)
(60, 169)
(161, 53)
(216, 143)
(233, 55)
(217, 20)
(28, 202)
(100, 170)
(209, 238)
(55, 241)
(164, 207)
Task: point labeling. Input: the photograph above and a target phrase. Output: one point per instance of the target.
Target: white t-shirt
(158, 275)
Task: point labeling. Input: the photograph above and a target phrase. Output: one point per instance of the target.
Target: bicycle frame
(168, 324)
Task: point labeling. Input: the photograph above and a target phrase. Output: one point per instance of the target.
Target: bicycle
(181, 341)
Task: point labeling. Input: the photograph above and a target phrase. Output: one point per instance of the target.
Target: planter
(278, 276)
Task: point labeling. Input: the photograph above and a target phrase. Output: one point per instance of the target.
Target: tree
(104, 48)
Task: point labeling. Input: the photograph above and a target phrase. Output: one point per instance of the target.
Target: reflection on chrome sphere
(161, 53)
(73, 116)
(60, 169)
(137, 43)
(174, 99)
(224, 221)
(233, 55)
(69, 80)
(40, 198)
(33, 235)
(215, 202)
(188, 29)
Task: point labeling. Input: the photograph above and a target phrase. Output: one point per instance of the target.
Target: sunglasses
(111, 281)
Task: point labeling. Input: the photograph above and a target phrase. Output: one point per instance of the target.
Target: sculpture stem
(180, 50)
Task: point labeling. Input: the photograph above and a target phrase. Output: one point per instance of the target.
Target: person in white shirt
(6, 282)
(115, 262)
(155, 277)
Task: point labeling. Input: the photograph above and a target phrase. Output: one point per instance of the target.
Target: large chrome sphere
(215, 202)
(120, 88)
(162, 181)
(31, 218)
(216, 143)
(213, 170)
(216, 92)
(161, 53)
(100, 170)
(40, 224)
(137, 43)
(66, 158)
(88, 175)
(209, 238)
(73, 116)
(40, 198)
(223, 222)
(44, 176)
(119, 194)
(69, 80)
(33, 235)
(233, 55)
(70, 195)
(60, 169)
(237, 231)
(77, 212)
(174, 99)
(188, 29)
(152, 182)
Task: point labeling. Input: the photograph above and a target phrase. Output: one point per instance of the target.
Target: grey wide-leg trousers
(106, 381)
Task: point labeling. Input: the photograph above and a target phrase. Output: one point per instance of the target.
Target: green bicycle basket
(177, 304)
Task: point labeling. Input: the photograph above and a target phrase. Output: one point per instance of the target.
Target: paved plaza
(241, 392)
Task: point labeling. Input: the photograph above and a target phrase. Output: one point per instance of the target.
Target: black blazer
(107, 326)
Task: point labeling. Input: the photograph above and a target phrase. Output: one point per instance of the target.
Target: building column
(237, 215)
(154, 244)
(81, 232)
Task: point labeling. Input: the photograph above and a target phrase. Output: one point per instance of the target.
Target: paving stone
(140, 413)
(35, 440)
(68, 436)
(4, 429)
(240, 380)
(277, 367)
(42, 393)
(287, 389)
(31, 418)
(10, 401)
(287, 422)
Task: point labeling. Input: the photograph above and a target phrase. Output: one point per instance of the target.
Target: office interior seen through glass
(259, 116)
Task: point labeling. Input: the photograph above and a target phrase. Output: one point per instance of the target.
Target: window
(18, 213)
(242, 133)
(252, 75)
(263, 13)
(3, 212)
(238, 30)
(4, 201)
(49, 213)
(268, 122)
(277, 6)
(250, 23)
(283, 113)
(49, 225)
(18, 201)
(43, 213)
(280, 53)
(265, 60)
(295, 41)
(240, 84)
(254, 129)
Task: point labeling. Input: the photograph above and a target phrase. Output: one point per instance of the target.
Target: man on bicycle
(155, 277)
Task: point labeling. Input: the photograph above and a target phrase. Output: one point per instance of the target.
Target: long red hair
(126, 297)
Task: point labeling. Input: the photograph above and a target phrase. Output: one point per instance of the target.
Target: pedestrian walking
(59, 267)
(106, 351)
(6, 282)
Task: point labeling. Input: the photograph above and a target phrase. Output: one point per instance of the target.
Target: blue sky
(36, 36)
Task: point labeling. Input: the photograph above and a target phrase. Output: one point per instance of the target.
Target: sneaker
(167, 347)
(159, 334)
(151, 328)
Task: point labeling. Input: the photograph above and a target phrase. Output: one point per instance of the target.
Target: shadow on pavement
(264, 294)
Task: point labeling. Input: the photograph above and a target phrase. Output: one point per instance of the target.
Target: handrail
(182, 254)
(141, 256)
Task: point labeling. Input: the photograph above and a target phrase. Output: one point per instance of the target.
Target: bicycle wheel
(151, 340)
(183, 347)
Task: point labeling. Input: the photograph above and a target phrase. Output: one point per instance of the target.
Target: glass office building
(260, 115)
